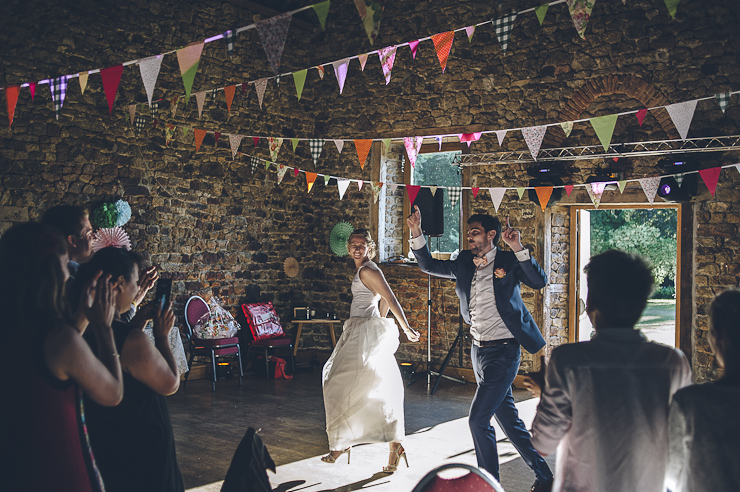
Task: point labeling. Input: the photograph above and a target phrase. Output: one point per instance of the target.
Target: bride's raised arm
(375, 281)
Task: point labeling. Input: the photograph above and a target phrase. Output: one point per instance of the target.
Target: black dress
(133, 442)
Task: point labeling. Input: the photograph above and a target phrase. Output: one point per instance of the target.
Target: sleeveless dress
(363, 388)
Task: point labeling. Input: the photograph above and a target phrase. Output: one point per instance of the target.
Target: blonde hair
(372, 248)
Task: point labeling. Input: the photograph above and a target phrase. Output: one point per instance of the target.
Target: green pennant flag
(520, 192)
(295, 141)
(326, 179)
(188, 58)
(322, 9)
(621, 185)
(299, 78)
(604, 128)
(267, 165)
(541, 11)
(387, 143)
(185, 130)
(672, 6)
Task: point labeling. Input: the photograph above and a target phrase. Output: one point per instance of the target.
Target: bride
(363, 389)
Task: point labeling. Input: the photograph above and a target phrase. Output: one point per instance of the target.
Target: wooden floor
(290, 413)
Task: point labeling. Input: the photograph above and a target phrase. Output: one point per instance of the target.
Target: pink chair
(197, 310)
(476, 479)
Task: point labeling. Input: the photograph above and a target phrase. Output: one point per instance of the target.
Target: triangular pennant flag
(722, 100)
(475, 192)
(299, 78)
(139, 124)
(320, 69)
(711, 178)
(604, 128)
(533, 135)
(641, 115)
(412, 191)
(413, 46)
(541, 11)
(296, 171)
(229, 92)
(543, 195)
(387, 143)
(454, 193)
(394, 187)
(310, 180)
(376, 190)
(595, 198)
(267, 165)
(439, 138)
(199, 136)
(342, 185)
(470, 30)
(132, 113)
(322, 10)
(650, 187)
(174, 106)
(149, 69)
(359, 184)
(621, 185)
(111, 78)
(737, 166)
(254, 161)
(274, 144)
(230, 40)
(520, 192)
(598, 188)
(370, 14)
(497, 194)
(500, 134)
(58, 88)
(327, 178)
(679, 178)
(273, 32)
(682, 114)
(470, 137)
(169, 133)
(363, 60)
(568, 189)
(234, 142)
(340, 71)
(260, 85)
(363, 149)
(433, 189)
(185, 130)
(188, 59)
(387, 57)
(412, 145)
(316, 145)
(32, 89)
(11, 99)
(339, 144)
(503, 27)
(281, 170)
(567, 127)
(294, 142)
(672, 7)
(580, 12)
(216, 136)
(200, 99)
(255, 140)
(443, 45)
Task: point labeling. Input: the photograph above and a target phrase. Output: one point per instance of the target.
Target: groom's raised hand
(414, 222)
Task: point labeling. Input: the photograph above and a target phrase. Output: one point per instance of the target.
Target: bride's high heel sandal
(393, 463)
(330, 458)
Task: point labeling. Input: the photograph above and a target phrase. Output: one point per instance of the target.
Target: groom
(487, 283)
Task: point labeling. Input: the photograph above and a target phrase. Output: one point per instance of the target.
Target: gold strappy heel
(393, 464)
(330, 458)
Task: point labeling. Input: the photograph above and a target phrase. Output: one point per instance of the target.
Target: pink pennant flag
(497, 194)
(387, 57)
(412, 191)
(363, 60)
(339, 144)
(641, 115)
(296, 171)
(200, 99)
(568, 189)
(413, 46)
(260, 85)
(340, 71)
(413, 146)
(111, 78)
(475, 192)
(470, 30)
(650, 187)
(320, 69)
(272, 33)
(470, 137)
(149, 69)
(234, 142)
(711, 178)
(500, 134)
(11, 99)
(256, 140)
(682, 114)
(32, 89)
(443, 45)
(533, 135)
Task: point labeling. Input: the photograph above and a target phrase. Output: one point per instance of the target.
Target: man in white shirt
(605, 402)
(487, 281)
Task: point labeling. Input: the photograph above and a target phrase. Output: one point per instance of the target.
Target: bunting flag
(363, 149)
(438, 138)
(11, 99)
(327, 178)
(273, 32)
(200, 99)
(377, 186)
(737, 166)
(541, 11)
(342, 185)
(169, 133)
(296, 172)
(533, 135)
(111, 78)
(470, 137)
(339, 144)
(621, 185)
(433, 189)
(254, 161)
(520, 192)
(567, 128)
(188, 59)
(711, 178)
(497, 194)
(413, 46)
(413, 146)
(58, 88)
(370, 14)
(154, 109)
(229, 92)
(394, 187)
(682, 114)
(185, 130)
(234, 142)
(359, 184)
(503, 27)
(199, 136)
(322, 10)
(316, 145)
(294, 142)
(568, 189)
(598, 187)
(500, 134)
(475, 192)
(604, 128)
(260, 85)
(255, 140)
(543, 195)
(274, 144)
(363, 59)
(722, 100)
(641, 115)
(310, 180)
(470, 30)
(580, 12)
(443, 45)
(149, 69)
(387, 143)
(387, 57)
(281, 170)
(174, 106)
(454, 193)
(229, 40)
(411, 192)
(299, 78)
(650, 187)
(139, 122)
(132, 113)
(340, 71)
(672, 7)
(320, 69)
(595, 198)
(32, 89)
(216, 136)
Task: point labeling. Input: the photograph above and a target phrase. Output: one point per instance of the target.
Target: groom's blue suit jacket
(509, 302)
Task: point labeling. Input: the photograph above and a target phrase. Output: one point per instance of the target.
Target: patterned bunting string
(567, 128)
(149, 70)
(412, 145)
(533, 135)
(281, 170)
(387, 57)
(503, 27)
(377, 186)
(413, 46)
(58, 88)
(722, 100)
(234, 142)
(682, 114)
(371, 14)
(650, 187)
(454, 193)
(316, 145)
(580, 12)
(139, 122)
(443, 45)
(260, 85)
(273, 32)
(274, 144)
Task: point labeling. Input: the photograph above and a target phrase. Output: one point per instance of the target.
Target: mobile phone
(164, 289)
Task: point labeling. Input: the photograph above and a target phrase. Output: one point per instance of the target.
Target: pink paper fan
(114, 236)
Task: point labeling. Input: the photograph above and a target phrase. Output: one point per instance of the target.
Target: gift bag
(218, 323)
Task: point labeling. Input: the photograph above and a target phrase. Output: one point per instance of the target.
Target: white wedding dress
(363, 388)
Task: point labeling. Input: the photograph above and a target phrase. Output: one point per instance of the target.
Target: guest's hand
(414, 222)
(412, 334)
(512, 237)
(144, 313)
(535, 381)
(146, 282)
(100, 302)
(164, 319)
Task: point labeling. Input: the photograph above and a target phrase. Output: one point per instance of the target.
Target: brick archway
(628, 85)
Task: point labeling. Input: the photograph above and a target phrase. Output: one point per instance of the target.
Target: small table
(328, 322)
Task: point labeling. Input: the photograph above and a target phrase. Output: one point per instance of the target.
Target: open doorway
(649, 231)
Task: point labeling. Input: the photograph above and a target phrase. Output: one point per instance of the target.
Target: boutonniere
(499, 273)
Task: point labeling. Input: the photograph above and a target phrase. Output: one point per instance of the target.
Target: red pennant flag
(443, 44)
(11, 98)
(199, 136)
(310, 179)
(255, 140)
(568, 189)
(217, 135)
(244, 87)
(711, 177)
(111, 78)
(229, 93)
(412, 191)
(32, 88)
(363, 149)
(296, 171)
(475, 192)
(543, 195)
(641, 116)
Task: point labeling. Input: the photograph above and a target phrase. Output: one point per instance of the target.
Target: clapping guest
(46, 365)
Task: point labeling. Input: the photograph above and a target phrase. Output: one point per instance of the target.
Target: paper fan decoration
(338, 238)
(114, 236)
(291, 267)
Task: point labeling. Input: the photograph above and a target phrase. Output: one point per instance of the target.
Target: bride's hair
(372, 248)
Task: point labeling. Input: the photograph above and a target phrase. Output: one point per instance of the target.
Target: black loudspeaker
(432, 211)
(670, 191)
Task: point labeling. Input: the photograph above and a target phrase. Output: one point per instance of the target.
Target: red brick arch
(628, 85)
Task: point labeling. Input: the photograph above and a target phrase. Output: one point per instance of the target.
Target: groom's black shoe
(542, 486)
